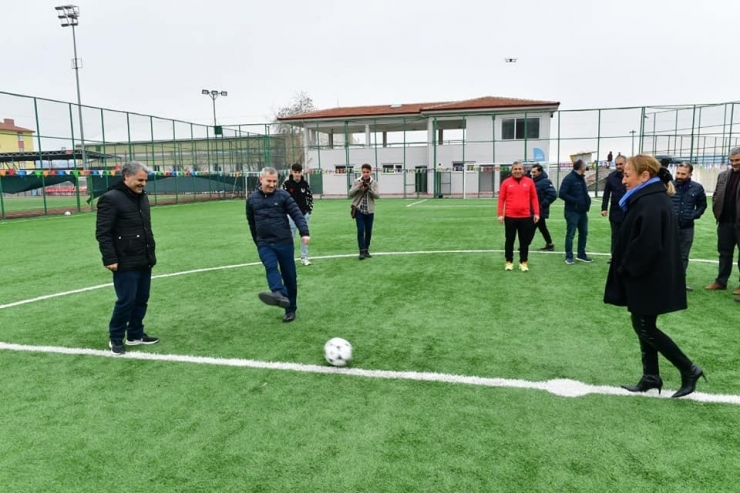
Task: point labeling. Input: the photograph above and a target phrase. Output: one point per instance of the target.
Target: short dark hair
(367, 166)
(687, 165)
(665, 162)
(296, 167)
(538, 167)
(578, 164)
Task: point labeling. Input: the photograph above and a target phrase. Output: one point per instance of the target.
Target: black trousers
(542, 226)
(522, 227)
(615, 233)
(654, 341)
(728, 238)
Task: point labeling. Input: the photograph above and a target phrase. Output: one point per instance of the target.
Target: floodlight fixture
(69, 17)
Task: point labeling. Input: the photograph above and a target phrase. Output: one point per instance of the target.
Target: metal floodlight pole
(69, 17)
(633, 142)
(213, 94)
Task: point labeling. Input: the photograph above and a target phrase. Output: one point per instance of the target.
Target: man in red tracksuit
(518, 210)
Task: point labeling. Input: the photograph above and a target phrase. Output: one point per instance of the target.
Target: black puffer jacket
(546, 193)
(267, 216)
(124, 229)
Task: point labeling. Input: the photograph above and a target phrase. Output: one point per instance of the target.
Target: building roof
(8, 125)
(483, 103)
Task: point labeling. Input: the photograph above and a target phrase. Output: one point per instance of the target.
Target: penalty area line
(558, 387)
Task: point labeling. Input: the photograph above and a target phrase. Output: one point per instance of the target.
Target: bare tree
(293, 135)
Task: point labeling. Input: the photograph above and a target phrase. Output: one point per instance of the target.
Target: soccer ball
(338, 352)
(67, 213)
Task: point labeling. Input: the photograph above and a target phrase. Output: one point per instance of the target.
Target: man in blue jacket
(689, 203)
(574, 193)
(614, 190)
(546, 195)
(268, 209)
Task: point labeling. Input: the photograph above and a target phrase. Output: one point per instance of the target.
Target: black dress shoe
(289, 317)
(688, 381)
(548, 248)
(367, 254)
(274, 298)
(646, 383)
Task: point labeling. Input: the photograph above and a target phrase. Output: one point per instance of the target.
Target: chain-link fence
(45, 168)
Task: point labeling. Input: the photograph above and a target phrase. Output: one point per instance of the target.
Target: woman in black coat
(646, 273)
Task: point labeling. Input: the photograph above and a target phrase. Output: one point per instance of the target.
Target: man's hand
(501, 219)
(305, 239)
(536, 218)
(603, 213)
(112, 267)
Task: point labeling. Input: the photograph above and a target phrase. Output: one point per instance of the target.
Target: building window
(513, 128)
(389, 168)
(340, 170)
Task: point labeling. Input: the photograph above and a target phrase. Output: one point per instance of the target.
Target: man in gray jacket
(726, 209)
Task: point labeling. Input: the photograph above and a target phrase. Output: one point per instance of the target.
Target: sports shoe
(274, 298)
(117, 347)
(523, 267)
(289, 317)
(145, 339)
(509, 266)
(584, 258)
(548, 248)
(569, 261)
(305, 261)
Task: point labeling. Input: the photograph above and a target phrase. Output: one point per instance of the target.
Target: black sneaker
(548, 248)
(117, 348)
(289, 317)
(274, 298)
(584, 258)
(145, 339)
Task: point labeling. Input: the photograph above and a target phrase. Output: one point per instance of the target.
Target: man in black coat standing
(126, 241)
(613, 192)
(546, 195)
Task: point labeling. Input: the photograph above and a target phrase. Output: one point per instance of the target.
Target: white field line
(415, 203)
(251, 264)
(559, 387)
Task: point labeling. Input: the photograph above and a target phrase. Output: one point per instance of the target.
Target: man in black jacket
(124, 234)
(574, 193)
(298, 188)
(546, 194)
(614, 190)
(689, 203)
(268, 209)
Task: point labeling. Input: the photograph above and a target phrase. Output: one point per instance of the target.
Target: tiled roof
(8, 125)
(484, 103)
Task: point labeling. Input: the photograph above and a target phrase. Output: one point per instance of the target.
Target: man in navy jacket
(689, 203)
(614, 190)
(574, 193)
(268, 209)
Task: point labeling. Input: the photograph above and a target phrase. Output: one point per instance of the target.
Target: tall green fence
(45, 168)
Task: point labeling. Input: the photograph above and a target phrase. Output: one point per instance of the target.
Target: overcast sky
(155, 56)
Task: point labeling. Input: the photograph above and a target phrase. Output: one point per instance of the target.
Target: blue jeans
(284, 280)
(294, 228)
(132, 289)
(573, 221)
(364, 229)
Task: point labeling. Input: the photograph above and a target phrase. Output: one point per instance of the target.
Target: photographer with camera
(364, 192)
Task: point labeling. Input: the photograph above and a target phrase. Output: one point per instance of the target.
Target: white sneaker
(305, 261)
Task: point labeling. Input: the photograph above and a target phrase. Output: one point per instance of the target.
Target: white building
(424, 139)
